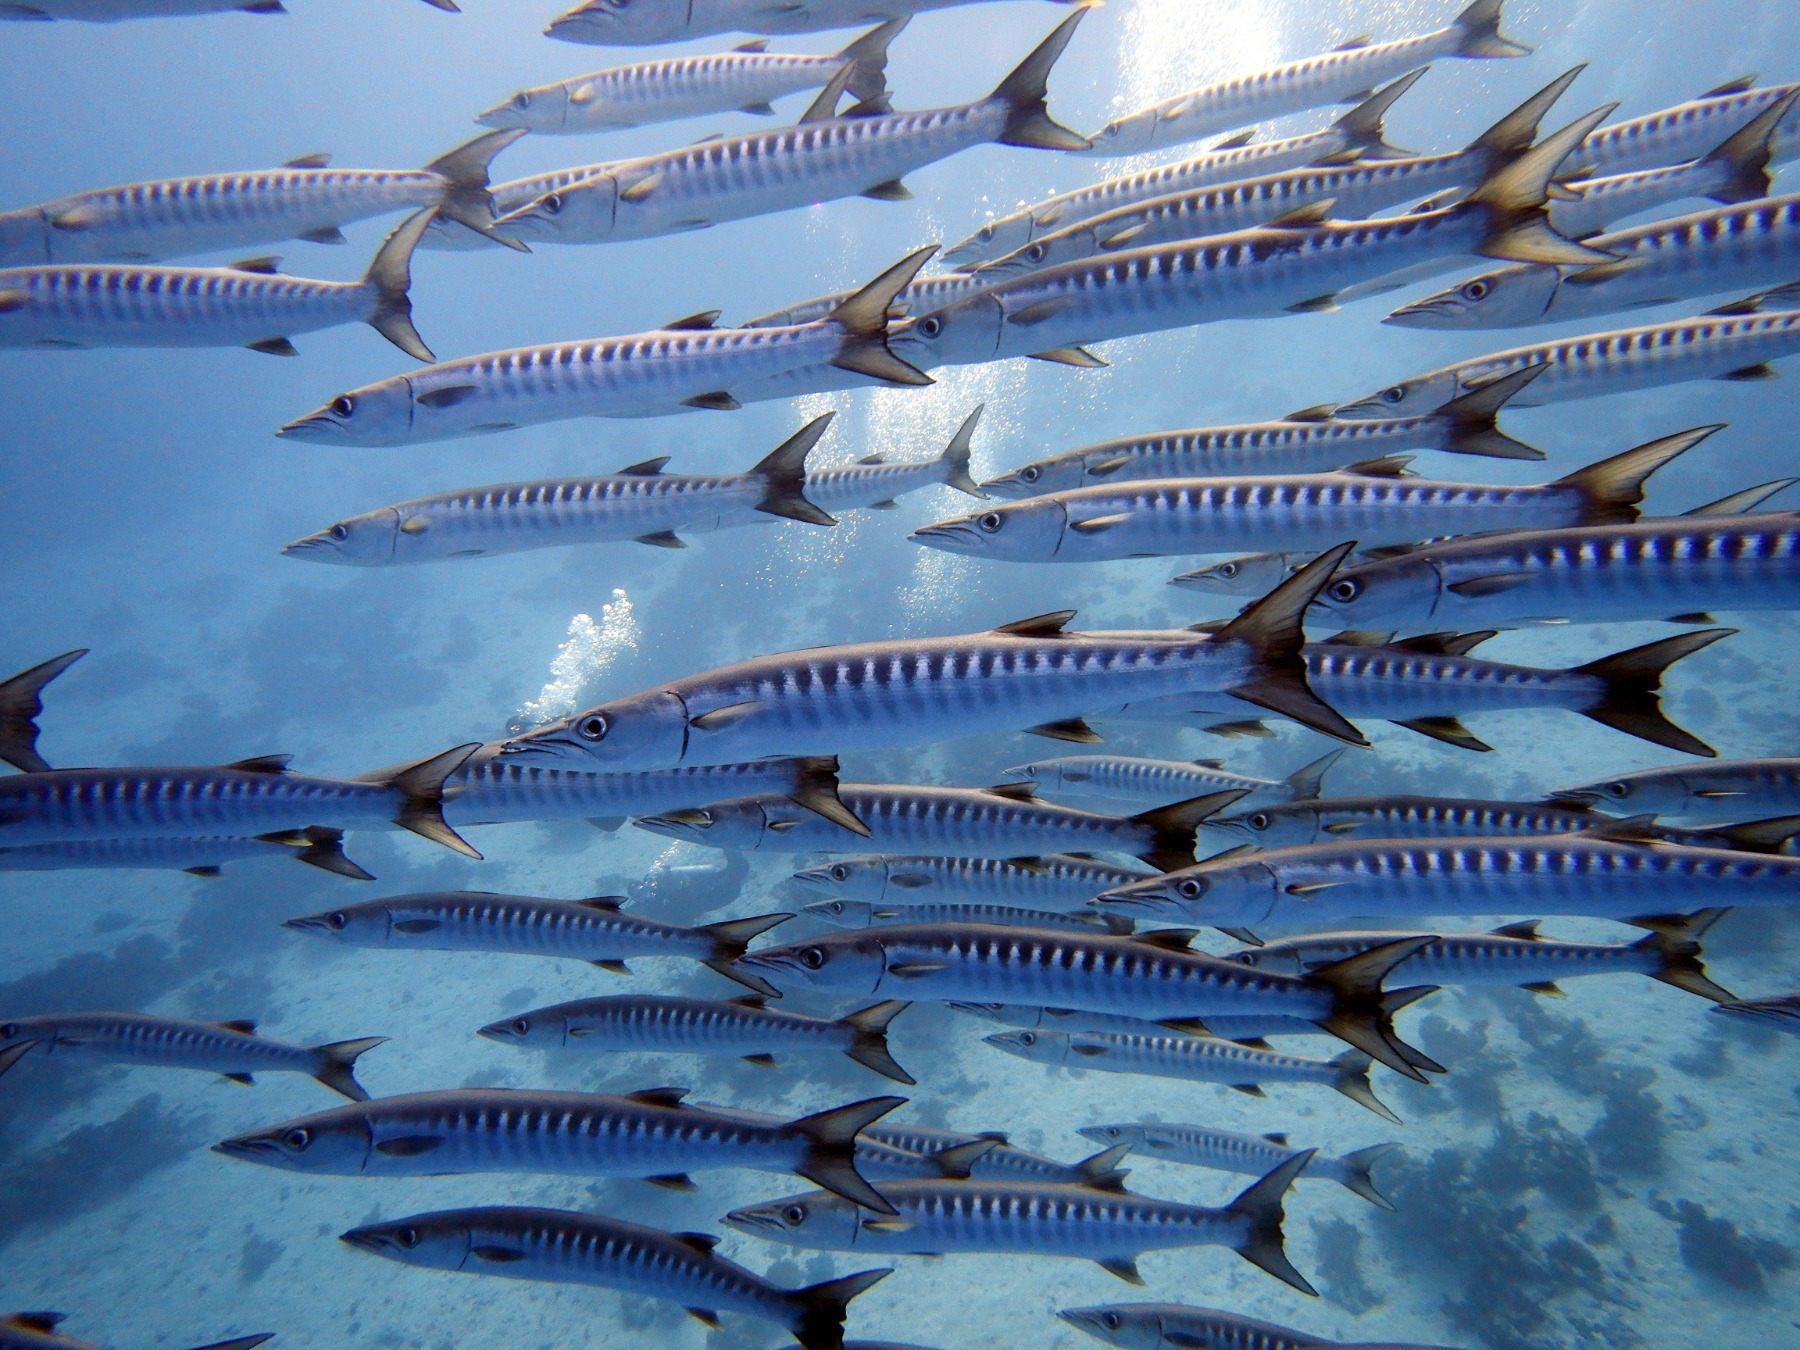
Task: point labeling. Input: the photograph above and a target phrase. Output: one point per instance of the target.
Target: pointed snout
(688, 825)
(247, 1147)
(752, 1219)
(1431, 312)
(949, 536)
(372, 1239)
(319, 426)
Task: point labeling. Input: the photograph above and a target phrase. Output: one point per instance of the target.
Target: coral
(1714, 1248)
(1338, 1248)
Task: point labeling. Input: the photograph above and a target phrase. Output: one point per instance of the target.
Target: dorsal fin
(1039, 625)
(262, 764)
(1302, 217)
(1278, 1139)
(705, 319)
(34, 1321)
(1235, 142)
(1525, 931)
(1233, 853)
(1445, 644)
(240, 1026)
(646, 468)
(872, 459)
(1319, 412)
(1013, 792)
(609, 904)
(1627, 830)
(755, 45)
(318, 159)
(1168, 939)
(658, 1096)
(1387, 466)
(266, 266)
(1357, 637)
(698, 1242)
(1353, 44)
(1743, 84)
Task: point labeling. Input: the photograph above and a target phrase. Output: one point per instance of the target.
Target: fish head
(1293, 825)
(742, 823)
(1062, 473)
(1652, 792)
(1040, 1047)
(581, 212)
(853, 962)
(542, 110)
(988, 1012)
(1251, 574)
(367, 540)
(376, 414)
(1127, 136)
(1070, 245)
(28, 1030)
(993, 240)
(621, 23)
(441, 1241)
(1409, 398)
(863, 879)
(1235, 893)
(1031, 530)
(369, 924)
(1134, 1326)
(331, 1143)
(539, 1030)
(1111, 1136)
(1389, 594)
(25, 238)
(648, 730)
(964, 332)
(842, 913)
(818, 1219)
(1508, 297)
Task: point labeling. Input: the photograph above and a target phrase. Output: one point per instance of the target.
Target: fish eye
(794, 1215)
(985, 234)
(592, 728)
(407, 1237)
(1394, 393)
(834, 906)
(9, 1032)
(930, 326)
(1029, 473)
(1035, 253)
(297, 1139)
(521, 100)
(339, 532)
(551, 203)
(1227, 570)
(1111, 1321)
(1259, 821)
(338, 920)
(1028, 1038)
(1345, 591)
(521, 1026)
(1191, 888)
(990, 522)
(813, 958)
(839, 872)
(1476, 289)
(1617, 791)
(343, 406)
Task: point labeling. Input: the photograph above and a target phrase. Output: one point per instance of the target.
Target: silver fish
(746, 1027)
(1122, 777)
(1687, 130)
(874, 481)
(609, 23)
(1358, 134)
(1720, 791)
(232, 1049)
(1153, 976)
(1097, 1220)
(449, 235)
(248, 304)
(1728, 248)
(695, 366)
(639, 503)
(1246, 1154)
(822, 158)
(38, 1330)
(116, 11)
(1200, 1059)
(250, 797)
(647, 1134)
(1253, 273)
(1247, 574)
(1230, 1026)
(1399, 816)
(1027, 674)
(303, 199)
(748, 78)
(1617, 871)
(21, 701)
(917, 297)
(1004, 821)
(1166, 1326)
(1377, 503)
(1515, 955)
(1781, 1012)
(863, 914)
(1300, 85)
(315, 845)
(588, 1249)
(597, 931)
(1056, 881)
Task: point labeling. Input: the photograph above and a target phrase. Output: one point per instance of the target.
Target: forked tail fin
(782, 473)
(868, 1045)
(1362, 126)
(1023, 92)
(321, 847)
(1743, 160)
(1612, 488)
(1676, 941)
(868, 57)
(1513, 134)
(831, 1156)
(1260, 1206)
(1173, 827)
(467, 200)
(390, 275)
(1357, 1175)
(1514, 198)
(955, 459)
(816, 789)
(1308, 780)
(337, 1062)
(864, 319)
(1474, 418)
(1479, 35)
(1364, 1012)
(1631, 690)
(20, 704)
(819, 1309)
(421, 789)
(731, 939)
(1351, 1077)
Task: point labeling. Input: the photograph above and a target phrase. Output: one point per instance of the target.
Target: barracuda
(1057, 881)
(919, 296)
(1358, 134)
(116, 11)
(1608, 872)
(1375, 502)
(565, 1248)
(1721, 791)
(489, 790)
(250, 797)
(303, 199)
(1395, 816)
(1028, 674)
(1166, 1326)
(648, 1134)
(1231, 1026)
(1686, 131)
(746, 1027)
(1679, 567)
(1245, 1154)
(1121, 777)
(1354, 190)
(248, 304)
(38, 1330)
(863, 914)
(623, 23)
(1735, 343)
(747, 79)
(315, 846)
(231, 1049)
(1247, 574)
(448, 235)
(1728, 248)
(823, 157)
(1198, 1059)
(597, 931)
(1429, 683)
(647, 372)
(21, 702)
(1150, 975)
(1096, 1221)
(1299, 85)
(1005, 821)
(1253, 273)
(639, 503)
(1514, 954)
(1310, 441)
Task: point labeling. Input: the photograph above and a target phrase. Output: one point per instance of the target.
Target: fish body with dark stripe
(1055, 881)
(1175, 1326)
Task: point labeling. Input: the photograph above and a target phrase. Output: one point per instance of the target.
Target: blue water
(1613, 1169)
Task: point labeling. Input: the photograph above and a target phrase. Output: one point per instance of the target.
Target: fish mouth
(1022, 771)
(819, 878)
(372, 1240)
(320, 427)
(1005, 1040)
(527, 222)
(1142, 902)
(949, 536)
(501, 117)
(541, 747)
(822, 911)
(1365, 409)
(499, 1031)
(309, 923)
(1007, 485)
(1430, 312)
(677, 826)
(1085, 1319)
(753, 1221)
(311, 546)
(767, 968)
(248, 1147)
(1573, 796)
